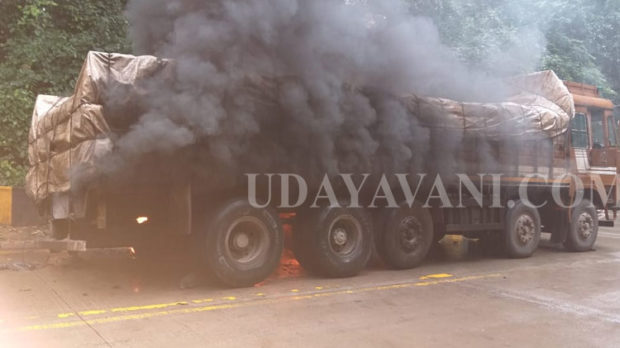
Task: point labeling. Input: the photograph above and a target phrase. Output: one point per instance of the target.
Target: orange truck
(550, 151)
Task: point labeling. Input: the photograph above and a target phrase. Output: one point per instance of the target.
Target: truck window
(611, 129)
(579, 131)
(598, 134)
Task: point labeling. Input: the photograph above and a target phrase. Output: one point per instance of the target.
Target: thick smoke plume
(293, 85)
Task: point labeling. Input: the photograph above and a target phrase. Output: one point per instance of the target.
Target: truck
(551, 154)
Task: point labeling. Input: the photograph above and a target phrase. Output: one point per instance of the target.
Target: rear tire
(583, 229)
(334, 242)
(242, 245)
(407, 237)
(521, 231)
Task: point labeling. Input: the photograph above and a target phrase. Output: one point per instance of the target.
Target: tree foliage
(42, 46)
(578, 39)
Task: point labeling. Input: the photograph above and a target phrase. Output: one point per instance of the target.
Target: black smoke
(304, 86)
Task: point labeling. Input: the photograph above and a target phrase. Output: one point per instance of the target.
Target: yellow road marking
(153, 306)
(249, 303)
(95, 312)
(295, 290)
(139, 308)
(444, 281)
(132, 317)
(203, 301)
(84, 313)
(436, 276)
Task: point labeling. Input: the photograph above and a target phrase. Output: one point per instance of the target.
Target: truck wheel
(60, 228)
(243, 245)
(522, 231)
(334, 242)
(583, 229)
(407, 237)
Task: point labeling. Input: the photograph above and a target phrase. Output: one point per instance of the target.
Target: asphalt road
(458, 298)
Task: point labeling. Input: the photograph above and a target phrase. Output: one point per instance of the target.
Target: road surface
(458, 298)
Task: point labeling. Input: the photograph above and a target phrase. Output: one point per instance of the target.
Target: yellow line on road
(153, 306)
(437, 276)
(249, 303)
(65, 315)
(84, 313)
(203, 301)
(128, 309)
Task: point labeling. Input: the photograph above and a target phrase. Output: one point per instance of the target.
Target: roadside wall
(16, 209)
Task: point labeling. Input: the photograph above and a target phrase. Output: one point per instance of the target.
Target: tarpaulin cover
(69, 134)
(541, 106)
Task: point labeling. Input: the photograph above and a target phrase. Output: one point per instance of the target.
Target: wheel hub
(585, 225)
(410, 231)
(247, 241)
(344, 235)
(340, 237)
(242, 240)
(526, 229)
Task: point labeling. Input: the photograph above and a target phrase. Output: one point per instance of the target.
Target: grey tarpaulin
(71, 133)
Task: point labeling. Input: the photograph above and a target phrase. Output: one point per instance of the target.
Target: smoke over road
(294, 85)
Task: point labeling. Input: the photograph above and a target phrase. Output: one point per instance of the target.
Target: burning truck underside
(113, 152)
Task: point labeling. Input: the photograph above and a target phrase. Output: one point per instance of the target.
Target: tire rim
(409, 234)
(585, 226)
(345, 235)
(247, 241)
(525, 228)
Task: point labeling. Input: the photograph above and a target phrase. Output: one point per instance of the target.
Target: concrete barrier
(16, 209)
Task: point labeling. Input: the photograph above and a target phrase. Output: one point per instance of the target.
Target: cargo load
(68, 134)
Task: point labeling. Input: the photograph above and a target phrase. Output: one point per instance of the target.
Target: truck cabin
(594, 128)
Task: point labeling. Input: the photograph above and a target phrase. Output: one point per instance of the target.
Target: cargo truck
(559, 138)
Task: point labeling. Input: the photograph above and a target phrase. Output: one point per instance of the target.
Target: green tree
(581, 37)
(42, 46)
(574, 43)
(605, 42)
